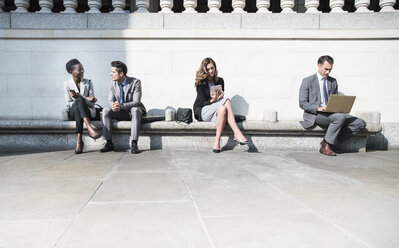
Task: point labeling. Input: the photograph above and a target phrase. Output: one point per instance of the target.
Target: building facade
(262, 48)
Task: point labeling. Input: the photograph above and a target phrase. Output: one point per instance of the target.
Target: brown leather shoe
(323, 143)
(326, 150)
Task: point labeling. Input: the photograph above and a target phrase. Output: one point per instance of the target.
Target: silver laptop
(340, 104)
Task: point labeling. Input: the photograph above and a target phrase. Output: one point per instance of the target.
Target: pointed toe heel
(240, 142)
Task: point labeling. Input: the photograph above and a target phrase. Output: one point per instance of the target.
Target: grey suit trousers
(134, 115)
(340, 126)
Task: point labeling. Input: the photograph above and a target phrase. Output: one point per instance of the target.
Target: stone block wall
(262, 58)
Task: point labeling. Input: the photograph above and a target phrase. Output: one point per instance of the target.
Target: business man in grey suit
(124, 101)
(313, 97)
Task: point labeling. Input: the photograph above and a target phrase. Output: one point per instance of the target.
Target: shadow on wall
(240, 105)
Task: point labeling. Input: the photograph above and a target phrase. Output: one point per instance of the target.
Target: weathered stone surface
(270, 115)
(26, 135)
(202, 21)
(369, 117)
(281, 21)
(5, 20)
(370, 20)
(125, 21)
(48, 21)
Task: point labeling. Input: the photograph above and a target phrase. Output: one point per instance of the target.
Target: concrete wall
(262, 58)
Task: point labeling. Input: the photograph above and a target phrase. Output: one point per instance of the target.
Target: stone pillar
(311, 6)
(263, 6)
(22, 5)
(166, 6)
(238, 6)
(189, 6)
(287, 5)
(214, 6)
(387, 5)
(2, 5)
(119, 6)
(46, 6)
(336, 6)
(142, 6)
(94, 5)
(70, 6)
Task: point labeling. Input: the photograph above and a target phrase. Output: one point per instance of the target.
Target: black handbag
(184, 115)
(99, 111)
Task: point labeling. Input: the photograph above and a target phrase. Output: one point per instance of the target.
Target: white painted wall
(265, 73)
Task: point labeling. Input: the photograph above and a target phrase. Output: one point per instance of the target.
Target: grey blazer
(309, 97)
(86, 89)
(132, 95)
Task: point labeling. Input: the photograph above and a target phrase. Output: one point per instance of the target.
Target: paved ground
(199, 199)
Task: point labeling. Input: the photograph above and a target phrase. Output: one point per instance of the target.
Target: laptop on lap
(340, 104)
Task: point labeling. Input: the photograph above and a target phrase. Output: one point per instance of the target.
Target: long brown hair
(202, 73)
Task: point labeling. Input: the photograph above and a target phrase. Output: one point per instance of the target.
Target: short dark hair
(325, 58)
(120, 66)
(70, 64)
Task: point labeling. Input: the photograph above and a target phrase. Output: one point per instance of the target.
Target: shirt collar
(320, 77)
(123, 83)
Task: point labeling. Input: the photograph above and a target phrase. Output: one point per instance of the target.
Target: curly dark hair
(70, 64)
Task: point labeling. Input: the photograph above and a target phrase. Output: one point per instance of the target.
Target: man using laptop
(313, 98)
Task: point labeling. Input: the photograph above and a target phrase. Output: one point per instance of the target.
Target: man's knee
(135, 112)
(339, 119)
(106, 111)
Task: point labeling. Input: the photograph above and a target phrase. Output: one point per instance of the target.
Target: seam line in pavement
(48, 167)
(87, 202)
(138, 202)
(201, 219)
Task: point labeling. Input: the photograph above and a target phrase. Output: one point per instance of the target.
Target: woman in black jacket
(211, 105)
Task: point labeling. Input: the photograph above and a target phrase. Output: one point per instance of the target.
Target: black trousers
(78, 111)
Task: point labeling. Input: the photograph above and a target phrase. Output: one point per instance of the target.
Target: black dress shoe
(134, 148)
(109, 146)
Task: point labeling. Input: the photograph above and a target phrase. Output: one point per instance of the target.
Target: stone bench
(42, 135)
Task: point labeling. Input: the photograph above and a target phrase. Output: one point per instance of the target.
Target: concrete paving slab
(278, 231)
(147, 162)
(375, 173)
(76, 170)
(142, 187)
(371, 217)
(199, 199)
(144, 225)
(17, 168)
(35, 200)
(40, 234)
(297, 179)
(222, 189)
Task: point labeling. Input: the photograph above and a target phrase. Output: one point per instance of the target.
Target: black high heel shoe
(241, 143)
(96, 137)
(216, 150)
(80, 151)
